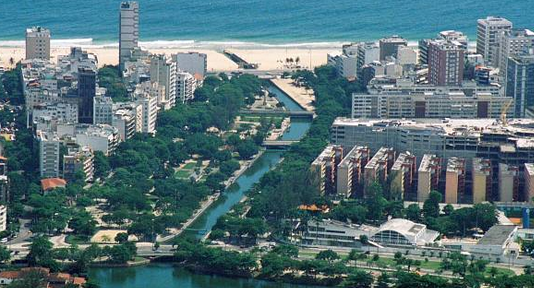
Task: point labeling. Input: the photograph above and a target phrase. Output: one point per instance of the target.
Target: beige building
(428, 176)
(482, 180)
(37, 43)
(402, 175)
(508, 183)
(529, 182)
(378, 167)
(79, 159)
(324, 168)
(454, 180)
(350, 172)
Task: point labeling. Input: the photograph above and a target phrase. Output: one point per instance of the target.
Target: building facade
(128, 30)
(520, 82)
(37, 43)
(488, 31)
(445, 63)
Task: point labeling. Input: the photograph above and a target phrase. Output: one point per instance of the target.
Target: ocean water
(256, 22)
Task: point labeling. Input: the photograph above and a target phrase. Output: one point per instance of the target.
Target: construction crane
(504, 110)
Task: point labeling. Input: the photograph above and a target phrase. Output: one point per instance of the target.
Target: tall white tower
(128, 30)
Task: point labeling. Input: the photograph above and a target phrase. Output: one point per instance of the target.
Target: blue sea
(257, 22)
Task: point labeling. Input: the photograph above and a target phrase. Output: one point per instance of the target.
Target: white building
(345, 64)
(149, 106)
(102, 110)
(3, 218)
(163, 72)
(192, 63)
(128, 30)
(512, 43)
(488, 31)
(79, 159)
(48, 154)
(185, 87)
(60, 112)
(38, 43)
(404, 232)
(102, 138)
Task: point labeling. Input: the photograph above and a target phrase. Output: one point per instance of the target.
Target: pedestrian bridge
(284, 113)
(278, 143)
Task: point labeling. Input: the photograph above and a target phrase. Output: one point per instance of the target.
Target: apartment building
(440, 103)
(149, 105)
(194, 63)
(520, 82)
(185, 87)
(324, 168)
(350, 172)
(403, 175)
(79, 159)
(37, 43)
(428, 176)
(163, 72)
(48, 154)
(3, 218)
(488, 31)
(455, 180)
(390, 45)
(482, 181)
(346, 65)
(445, 63)
(128, 31)
(377, 169)
(528, 176)
(4, 180)
(512, 43)
(509, 183)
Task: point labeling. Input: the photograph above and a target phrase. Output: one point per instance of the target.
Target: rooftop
(428, 161)
(52, 183)
(497, 235)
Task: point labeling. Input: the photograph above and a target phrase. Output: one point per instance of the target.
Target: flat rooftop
(497, 235)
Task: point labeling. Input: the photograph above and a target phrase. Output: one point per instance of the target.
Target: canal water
(169, 276)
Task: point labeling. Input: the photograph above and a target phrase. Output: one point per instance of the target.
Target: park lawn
(183, 174)
(75, 239)
(189, 166)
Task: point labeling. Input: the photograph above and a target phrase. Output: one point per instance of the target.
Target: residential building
(149, 105)
(58, 111)
(520, 82)
(390, 45)
(79, 159)
(346, 65)
(509, 183)
(350, 173)
(52, 280)
(440, 103)
(403, 175)
(445, 63)
(455, 37)
(48, 154)
(194, 63)
(49, 184)
(185, 87)
(125, 121)
(406, 56)
(4, 180)
(37, 43)
(512, 43)
(103, 110)
(377, 169)
(482, 180)
(128, 31)
(455, 180)
(3, 218)
(86, 94)
(100, 137)
(324, 169)
(163, 72)
(528, 176)
(428, 176)
(488, 31)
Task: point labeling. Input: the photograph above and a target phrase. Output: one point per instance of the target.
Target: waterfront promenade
(302, 96)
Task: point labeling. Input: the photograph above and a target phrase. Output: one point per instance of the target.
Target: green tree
(5, 254)
(431, 205)
(328, 255)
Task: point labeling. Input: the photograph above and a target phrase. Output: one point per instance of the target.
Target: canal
(161, 275)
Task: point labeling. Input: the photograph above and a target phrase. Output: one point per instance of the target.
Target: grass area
(189, 166)
(75, 239)
(183, 174)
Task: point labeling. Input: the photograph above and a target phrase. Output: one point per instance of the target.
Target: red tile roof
(52, 183)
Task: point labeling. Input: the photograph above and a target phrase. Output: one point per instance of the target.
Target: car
(4, 240)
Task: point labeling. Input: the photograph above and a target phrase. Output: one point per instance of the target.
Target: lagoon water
(272, 22)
